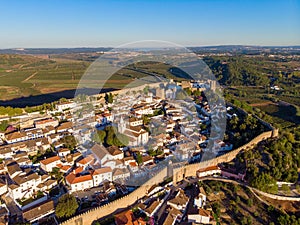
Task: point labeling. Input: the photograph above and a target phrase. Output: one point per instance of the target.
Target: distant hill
(246, 49)
(49, 51)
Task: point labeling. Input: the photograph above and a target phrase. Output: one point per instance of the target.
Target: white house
(135, 121)
(208, 171)
(49, 163)
(203, 217)
(101, 154)
(86, 161)
(114, 164)
(143, 110)
(200, 200)
(128, 160)
(16, 137)
(66, 126)
(48, 130)
(63, 106)
(6, 152)
(104, 118)
(13, 169)
(180, 201)
(34, 133)
(79, 182)
(115, 152)
(24, 186)
(101, 174)
(62, 152)
(46, 122)
(120, 174)
(37, 212)
(137, 135)
(3, 187)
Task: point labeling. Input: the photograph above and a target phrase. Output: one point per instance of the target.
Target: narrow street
(15, 212)
(162, 213)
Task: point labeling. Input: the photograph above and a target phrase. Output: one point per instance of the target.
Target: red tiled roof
(50, 160)
(133, 164)
(204, 212)
(78, 170)
(73, 179)
(127, 218)
(102, 170)
(44, 121)
(15, 135)
(86, 160)
(208, 169)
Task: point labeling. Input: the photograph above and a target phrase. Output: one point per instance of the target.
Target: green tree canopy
(3, 125)
(69, 142)
(67, 206)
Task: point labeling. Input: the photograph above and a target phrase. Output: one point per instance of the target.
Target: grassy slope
(236, 208)
(24, 75)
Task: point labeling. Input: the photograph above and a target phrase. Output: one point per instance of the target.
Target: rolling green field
(26, 75)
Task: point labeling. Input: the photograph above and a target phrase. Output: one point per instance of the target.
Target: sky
(88, 23)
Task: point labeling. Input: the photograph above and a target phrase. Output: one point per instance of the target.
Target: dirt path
(31, 76)
(261, 104)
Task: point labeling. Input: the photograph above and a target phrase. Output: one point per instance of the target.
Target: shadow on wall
(48, 98)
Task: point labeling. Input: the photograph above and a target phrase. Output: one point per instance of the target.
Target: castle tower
(213, 85)
(160, 93)
(170, 169)
(121, 125)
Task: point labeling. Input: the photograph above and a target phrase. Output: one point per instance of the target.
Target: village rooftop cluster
(47, 155)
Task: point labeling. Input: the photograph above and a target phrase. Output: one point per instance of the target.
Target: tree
(146, 120)
(160, 112)
(109, 98)
(249, 202)
(67, 206)
(69, 142)
(109, 139)
(99, 136)
(121, 140)
(146, 90)
(56, 173)
(151, 152)
(265, 182)
(139, 158)
(3, 125)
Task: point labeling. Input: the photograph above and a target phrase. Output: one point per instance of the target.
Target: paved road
(162, 214)
(12, 207)
(15, 212)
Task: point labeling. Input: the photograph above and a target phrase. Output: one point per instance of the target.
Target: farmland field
(27, 75)
(289, 113)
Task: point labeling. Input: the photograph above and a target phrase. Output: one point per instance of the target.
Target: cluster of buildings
(157, 124)
(170, 205)
(29, 151)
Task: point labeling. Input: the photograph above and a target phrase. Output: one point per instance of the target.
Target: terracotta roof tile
(50, 160)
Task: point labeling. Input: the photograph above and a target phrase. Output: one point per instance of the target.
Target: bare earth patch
(9, 92)
(288, 206)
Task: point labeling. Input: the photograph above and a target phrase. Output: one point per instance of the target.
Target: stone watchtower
(170, 169)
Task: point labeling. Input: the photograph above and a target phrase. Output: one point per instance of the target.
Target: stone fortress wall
(139, 88)
(117, 205)
(190, 170)
(178, 174)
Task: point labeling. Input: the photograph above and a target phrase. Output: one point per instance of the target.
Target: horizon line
(187, 46)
